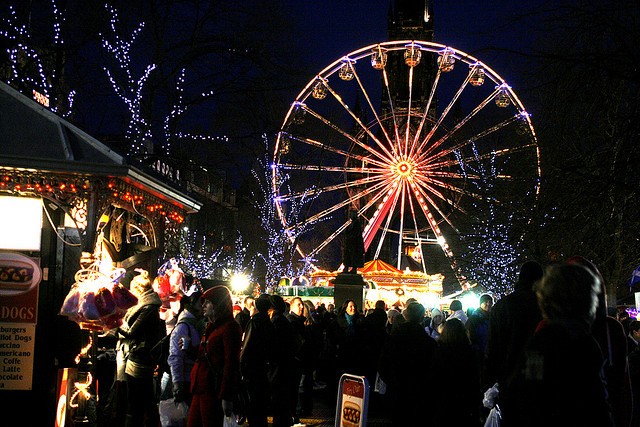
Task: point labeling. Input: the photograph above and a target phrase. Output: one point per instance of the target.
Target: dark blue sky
(487, 30)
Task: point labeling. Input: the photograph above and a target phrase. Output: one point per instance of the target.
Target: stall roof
(34, 138)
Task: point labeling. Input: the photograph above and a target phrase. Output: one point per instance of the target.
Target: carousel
(387, 283)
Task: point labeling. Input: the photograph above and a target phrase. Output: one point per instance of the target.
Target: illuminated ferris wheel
(425, 142)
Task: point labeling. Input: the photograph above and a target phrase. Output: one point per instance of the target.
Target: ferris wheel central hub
(404, 169)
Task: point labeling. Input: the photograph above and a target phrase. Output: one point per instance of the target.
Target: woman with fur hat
(610, 335)
(434, 328)
(140, 331)
(561, 380)
(215, 375)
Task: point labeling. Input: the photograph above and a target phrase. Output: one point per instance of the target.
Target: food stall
(72, 210)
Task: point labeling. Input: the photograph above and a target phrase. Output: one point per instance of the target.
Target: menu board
(19, 280)
(16, 354)
(353, 398)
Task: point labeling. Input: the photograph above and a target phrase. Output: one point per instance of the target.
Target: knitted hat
(220, 297)
(435, 312)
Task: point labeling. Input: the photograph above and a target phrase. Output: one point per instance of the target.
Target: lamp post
(239, 283)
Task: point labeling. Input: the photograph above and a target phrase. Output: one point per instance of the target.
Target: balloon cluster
(98, 301)
(171, 284)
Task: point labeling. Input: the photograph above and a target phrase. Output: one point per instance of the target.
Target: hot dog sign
(20, 276)
(353, 399)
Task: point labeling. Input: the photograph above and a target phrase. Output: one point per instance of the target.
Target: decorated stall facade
(97, 213)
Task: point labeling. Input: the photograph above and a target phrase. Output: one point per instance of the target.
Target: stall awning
(32, 138)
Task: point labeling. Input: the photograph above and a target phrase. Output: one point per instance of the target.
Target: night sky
(496, 32)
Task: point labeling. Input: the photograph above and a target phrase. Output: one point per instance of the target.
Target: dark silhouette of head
(568, 292)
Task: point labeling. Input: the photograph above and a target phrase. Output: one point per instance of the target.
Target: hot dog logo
(351, 414)
(17, 272)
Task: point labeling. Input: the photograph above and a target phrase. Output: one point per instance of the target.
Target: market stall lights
(24, 182)
(82, 388)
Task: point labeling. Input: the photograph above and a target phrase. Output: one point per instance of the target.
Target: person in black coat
(375, 334)
(561, 379)
(457, 374)
(310, 354)
(404, 367)
(141, 330)
(609, 334)
(633, 338)
(255, 356)
(280, 371)
(245, 314)
(346, 337)
(634, 370)
(478, 327)
(297, 319)
(512, 323)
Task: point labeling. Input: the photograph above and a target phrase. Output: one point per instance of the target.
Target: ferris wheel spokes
(372, 108)
(470, 141)
(388, 213)
(408, 129)
(445, 217)
(358, 121)
(444, 114)
(401, 233)
(443, 243)
(457, 127)
(320, 190)
(347, 135)
(425, 114)
(339, 205)
(393, 110)
(322, 168)
(370, 203)
(415, 228)
(346, 154)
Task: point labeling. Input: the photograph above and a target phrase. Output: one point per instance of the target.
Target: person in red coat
(216, 373)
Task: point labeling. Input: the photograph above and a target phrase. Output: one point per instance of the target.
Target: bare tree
(589, 84)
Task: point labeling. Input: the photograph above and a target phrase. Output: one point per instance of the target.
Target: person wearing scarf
(140, 331)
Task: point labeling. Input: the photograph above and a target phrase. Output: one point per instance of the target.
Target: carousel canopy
(377, 266)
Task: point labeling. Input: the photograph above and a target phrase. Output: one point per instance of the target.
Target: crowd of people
(550, 348)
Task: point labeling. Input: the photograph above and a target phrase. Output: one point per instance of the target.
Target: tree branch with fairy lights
(199, 256)
(126, 86)
(38, 70)
(280, 256)
(491, 254)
